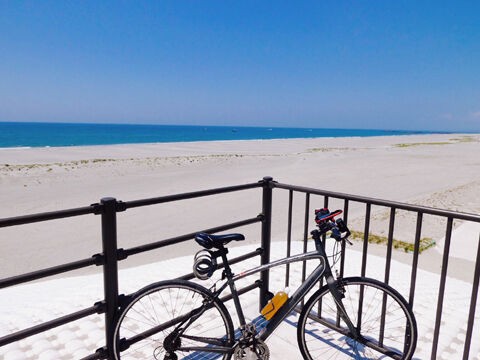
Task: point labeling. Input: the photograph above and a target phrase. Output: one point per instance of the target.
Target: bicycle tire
(164, 303)
(321, 333)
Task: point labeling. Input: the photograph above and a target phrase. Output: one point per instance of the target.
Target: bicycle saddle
(217, 241)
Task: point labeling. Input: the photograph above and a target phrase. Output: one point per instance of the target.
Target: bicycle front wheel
(173, 320)
(383, 319)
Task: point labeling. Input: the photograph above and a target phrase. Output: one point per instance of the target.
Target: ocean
(35, 134)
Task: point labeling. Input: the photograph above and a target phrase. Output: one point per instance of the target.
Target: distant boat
(234, 130)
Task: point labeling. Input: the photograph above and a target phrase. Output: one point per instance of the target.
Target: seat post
(227, 270)
(231, 283)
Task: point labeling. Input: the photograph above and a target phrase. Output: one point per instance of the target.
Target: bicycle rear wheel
(383, 318)
(148, 327)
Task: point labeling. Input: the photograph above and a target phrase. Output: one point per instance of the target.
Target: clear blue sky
(346, 64)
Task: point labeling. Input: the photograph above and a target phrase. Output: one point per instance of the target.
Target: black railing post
(110, 268)
(473, 305)
(266, 238)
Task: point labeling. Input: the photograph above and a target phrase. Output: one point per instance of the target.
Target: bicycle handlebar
(326, 223)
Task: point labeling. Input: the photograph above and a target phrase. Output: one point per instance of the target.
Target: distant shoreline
(273, 147)
(44, 135)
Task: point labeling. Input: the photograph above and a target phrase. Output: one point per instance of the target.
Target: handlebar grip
(336, 234)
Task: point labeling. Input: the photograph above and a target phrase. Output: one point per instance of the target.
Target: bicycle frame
(296, 297)
(322, 270)
(183, 321)
(251, 336)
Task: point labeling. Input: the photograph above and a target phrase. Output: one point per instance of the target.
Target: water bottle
(274, 304)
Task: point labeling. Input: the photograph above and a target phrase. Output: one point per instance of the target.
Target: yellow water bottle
(274, 304)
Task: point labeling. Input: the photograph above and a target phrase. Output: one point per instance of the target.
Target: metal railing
(392, 206)
(108, 208)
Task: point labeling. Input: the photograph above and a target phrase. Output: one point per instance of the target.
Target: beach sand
(440, 171)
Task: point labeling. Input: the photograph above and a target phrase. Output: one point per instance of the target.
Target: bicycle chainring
(257, 350)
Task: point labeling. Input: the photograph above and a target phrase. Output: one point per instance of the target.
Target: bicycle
(352, 317)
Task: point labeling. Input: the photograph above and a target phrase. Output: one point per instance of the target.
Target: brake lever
(347, 235)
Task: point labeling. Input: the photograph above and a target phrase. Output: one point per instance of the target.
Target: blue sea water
(34, 134)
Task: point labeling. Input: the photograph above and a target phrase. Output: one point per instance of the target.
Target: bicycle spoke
(166, 318)
(321, 338)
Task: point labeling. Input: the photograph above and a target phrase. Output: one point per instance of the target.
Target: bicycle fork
(337, 297)
(334, 288)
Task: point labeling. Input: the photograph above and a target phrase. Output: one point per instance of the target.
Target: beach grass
(405, 145)
(461, 139)
(465, 139)
(328, 149)
(425, 243)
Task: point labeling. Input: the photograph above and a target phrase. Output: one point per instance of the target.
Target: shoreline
(238, 145)
(58, 134)
(20, 147)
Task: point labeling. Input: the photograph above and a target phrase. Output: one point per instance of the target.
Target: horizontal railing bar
(52, 215)
(32, 218)
(231, 262)
(182, 238)
(55, 270)
(379, 202)
(243, 290)
(189, 195)
(98, 308)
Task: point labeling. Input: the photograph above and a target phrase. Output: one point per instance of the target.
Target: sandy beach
(441, 171)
